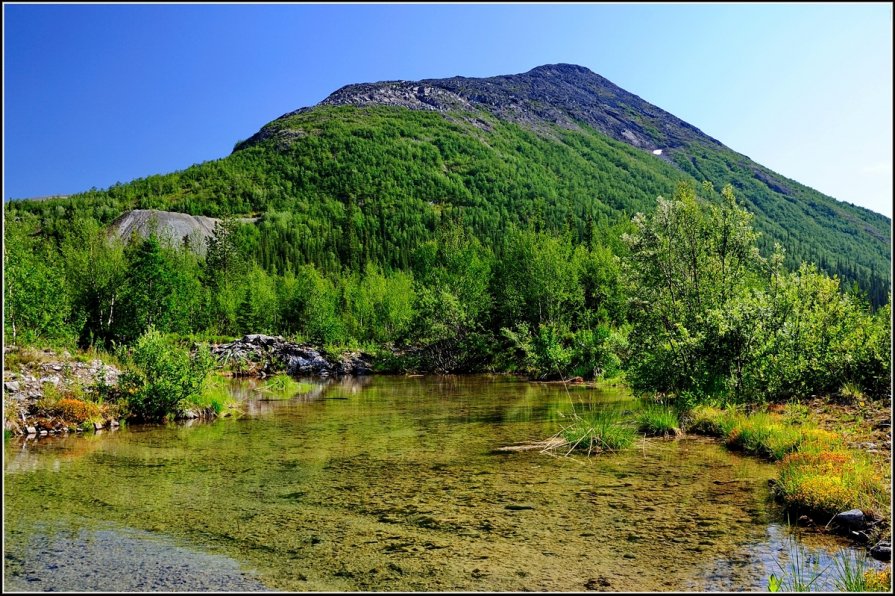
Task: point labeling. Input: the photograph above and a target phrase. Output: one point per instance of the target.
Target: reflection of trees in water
(29, 454)
(255, 403)
(346, 384)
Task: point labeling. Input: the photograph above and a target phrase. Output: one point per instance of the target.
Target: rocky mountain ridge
(566, 95)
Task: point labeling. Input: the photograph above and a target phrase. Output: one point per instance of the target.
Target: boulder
(882, 551)
(852, 519)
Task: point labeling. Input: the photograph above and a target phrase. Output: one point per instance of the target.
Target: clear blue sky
(95, 94)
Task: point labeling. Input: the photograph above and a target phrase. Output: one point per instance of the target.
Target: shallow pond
(386, 484)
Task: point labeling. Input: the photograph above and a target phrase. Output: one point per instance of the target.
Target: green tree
(692, 266)
(224, 256)
(161, 288)
(36, 302)
(94, 269)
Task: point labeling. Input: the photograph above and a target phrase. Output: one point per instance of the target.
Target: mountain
(376, 168)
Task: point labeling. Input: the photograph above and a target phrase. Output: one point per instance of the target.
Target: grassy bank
(819, 475)
(820, 472)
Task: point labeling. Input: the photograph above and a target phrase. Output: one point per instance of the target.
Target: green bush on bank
(164, 379)
(714, 319)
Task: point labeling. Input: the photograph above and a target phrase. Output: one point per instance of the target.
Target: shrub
(166, 379)
(77, 410)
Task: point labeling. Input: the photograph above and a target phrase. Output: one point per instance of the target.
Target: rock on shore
(262, 355)
(43, 371)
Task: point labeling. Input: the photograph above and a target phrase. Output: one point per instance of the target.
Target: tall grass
(598, 429)
(800, 572)
(851, 573)
(658, 420)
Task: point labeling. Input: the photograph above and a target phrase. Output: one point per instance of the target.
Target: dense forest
(679, 300)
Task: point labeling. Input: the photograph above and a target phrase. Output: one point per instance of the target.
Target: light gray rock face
(175, 228)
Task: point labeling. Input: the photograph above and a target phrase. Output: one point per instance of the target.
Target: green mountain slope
(375, 169)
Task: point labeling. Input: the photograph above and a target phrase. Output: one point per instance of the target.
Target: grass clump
(712, 421)
(764, 434)
(817, 473)
(598, 430)
(852, 393)
(658, 420)
(281, 383)
(216, 397)
(769, 435)
(827, 482)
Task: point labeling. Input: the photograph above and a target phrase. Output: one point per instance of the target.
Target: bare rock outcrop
(177, 229)
(262, 355)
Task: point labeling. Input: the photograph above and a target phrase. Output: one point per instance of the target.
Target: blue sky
(95, 94)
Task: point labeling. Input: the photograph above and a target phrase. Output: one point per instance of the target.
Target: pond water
(386, 484)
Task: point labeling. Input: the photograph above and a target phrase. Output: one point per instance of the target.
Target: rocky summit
(563, 94)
